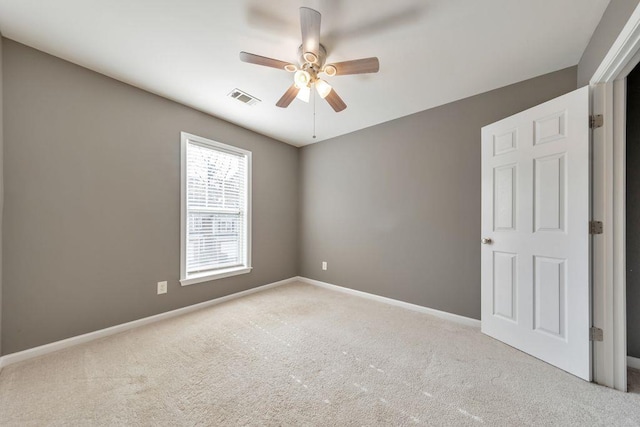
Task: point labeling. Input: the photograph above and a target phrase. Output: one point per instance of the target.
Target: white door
(535, 211)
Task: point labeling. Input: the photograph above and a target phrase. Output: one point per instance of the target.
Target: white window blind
(215, 204)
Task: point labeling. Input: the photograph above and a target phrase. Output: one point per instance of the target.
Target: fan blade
(357, 66)
(262, 60)
(310, 24)
(335, 101)
(288, 96)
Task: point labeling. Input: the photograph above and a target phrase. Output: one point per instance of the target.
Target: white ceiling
(431, 51)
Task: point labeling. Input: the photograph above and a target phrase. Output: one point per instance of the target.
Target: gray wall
(613, 20)
(92, 201)
(395, 209)
(633, 213)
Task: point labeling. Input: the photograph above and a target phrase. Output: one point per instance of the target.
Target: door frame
(608, 97)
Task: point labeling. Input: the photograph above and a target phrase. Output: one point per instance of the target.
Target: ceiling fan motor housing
(312, 68)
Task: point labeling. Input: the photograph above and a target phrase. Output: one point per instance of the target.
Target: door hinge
(595, 227)
(595, 334)
(596, 121)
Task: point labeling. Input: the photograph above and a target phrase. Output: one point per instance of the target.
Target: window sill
(207, 277)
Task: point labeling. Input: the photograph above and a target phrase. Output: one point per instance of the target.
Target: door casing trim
(608, 97)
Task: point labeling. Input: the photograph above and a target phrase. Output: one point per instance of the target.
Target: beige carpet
(300, 355)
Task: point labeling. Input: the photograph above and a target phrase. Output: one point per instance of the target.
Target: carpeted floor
(301, 355)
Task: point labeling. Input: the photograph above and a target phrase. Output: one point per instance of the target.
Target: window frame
(207, 276)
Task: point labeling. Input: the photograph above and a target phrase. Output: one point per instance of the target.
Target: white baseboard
(441, 314)
(633, 362)
(12, 358)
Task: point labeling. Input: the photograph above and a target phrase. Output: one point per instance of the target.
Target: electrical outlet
(324, 265)
(162, 288)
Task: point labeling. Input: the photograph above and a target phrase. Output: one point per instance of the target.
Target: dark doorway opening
(633, 225)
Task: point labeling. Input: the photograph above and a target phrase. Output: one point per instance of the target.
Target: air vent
(243, 97)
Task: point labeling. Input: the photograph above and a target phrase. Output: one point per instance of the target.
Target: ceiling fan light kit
(323, 88)
(302, 79)
(303, 94)
(312, 56)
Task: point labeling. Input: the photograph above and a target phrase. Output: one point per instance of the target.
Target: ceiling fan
(312, 56)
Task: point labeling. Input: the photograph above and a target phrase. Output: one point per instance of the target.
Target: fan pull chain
(314, 114)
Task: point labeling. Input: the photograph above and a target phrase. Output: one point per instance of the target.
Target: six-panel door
(535, 210)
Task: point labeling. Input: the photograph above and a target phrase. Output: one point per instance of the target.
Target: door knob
(486, 241)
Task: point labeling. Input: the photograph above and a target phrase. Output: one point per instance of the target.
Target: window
(216, 215)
